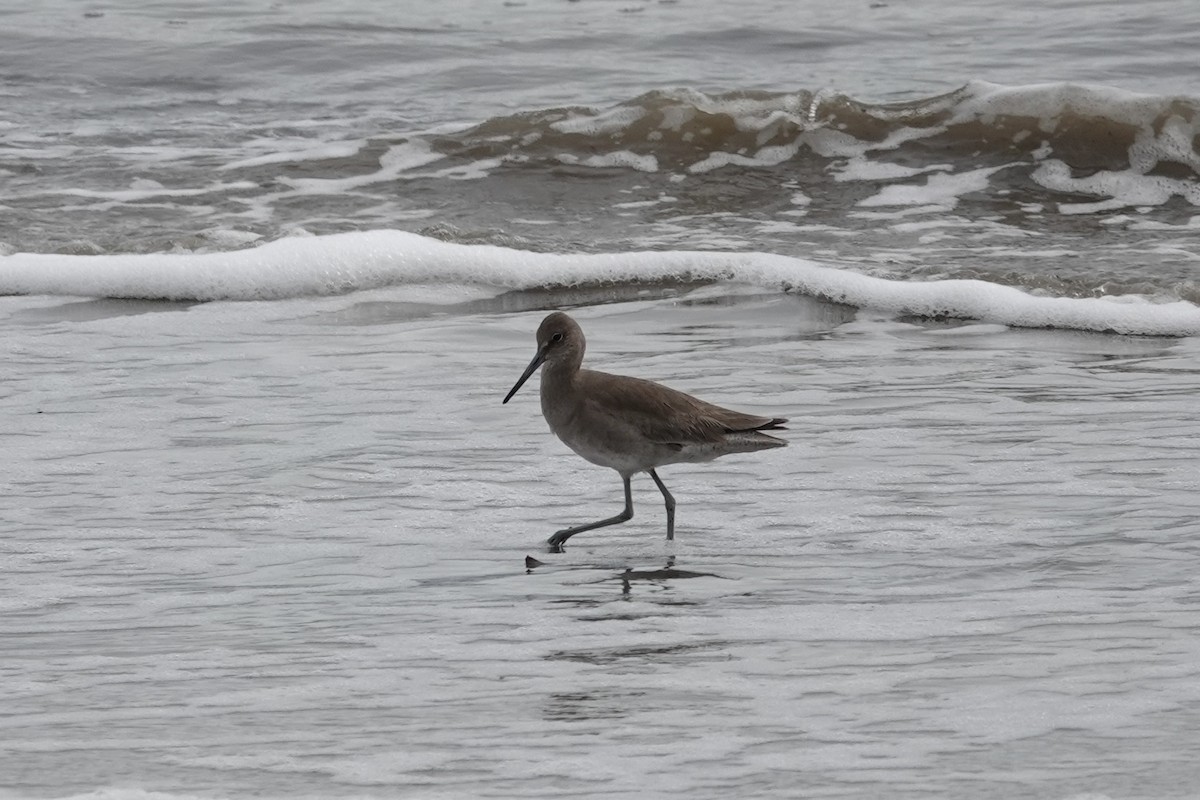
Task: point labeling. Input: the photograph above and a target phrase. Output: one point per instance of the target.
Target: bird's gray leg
(556, 541)
(670, 505)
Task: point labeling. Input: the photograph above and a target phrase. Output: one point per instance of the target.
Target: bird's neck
(560, 388)
(559, 377)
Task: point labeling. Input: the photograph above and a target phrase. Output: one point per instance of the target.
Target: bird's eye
(556, 337)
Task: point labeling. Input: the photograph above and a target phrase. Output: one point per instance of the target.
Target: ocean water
(267, 270)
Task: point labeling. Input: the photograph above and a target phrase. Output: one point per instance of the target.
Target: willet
(629, 424)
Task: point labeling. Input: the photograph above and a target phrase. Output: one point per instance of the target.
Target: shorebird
(629, 424)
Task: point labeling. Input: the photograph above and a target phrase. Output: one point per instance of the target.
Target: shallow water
(278, 549)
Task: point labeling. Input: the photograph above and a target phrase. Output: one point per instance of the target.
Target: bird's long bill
(532, 368)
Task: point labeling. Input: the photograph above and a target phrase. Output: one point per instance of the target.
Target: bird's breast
(601, 439)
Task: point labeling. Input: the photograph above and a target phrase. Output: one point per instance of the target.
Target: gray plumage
(629, 424)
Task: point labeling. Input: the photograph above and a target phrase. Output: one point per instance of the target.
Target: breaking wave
(343, 263)
(1116, 146)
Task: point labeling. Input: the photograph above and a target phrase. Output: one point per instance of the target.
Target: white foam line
(599, 123)
(149, 189)
(342, 263)
(940, 190)
(327, 150)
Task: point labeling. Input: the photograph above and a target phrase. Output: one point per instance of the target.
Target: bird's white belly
(624, 459)
(630, 454)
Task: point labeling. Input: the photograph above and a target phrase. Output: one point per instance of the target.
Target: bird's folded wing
(664, 415)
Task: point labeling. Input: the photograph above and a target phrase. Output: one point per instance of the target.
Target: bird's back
(666, 416)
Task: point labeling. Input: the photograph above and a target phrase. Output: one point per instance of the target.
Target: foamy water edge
(349, 262)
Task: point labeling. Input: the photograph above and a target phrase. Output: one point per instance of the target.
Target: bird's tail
(749, 441)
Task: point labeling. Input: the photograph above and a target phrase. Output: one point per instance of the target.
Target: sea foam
(348, 262)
